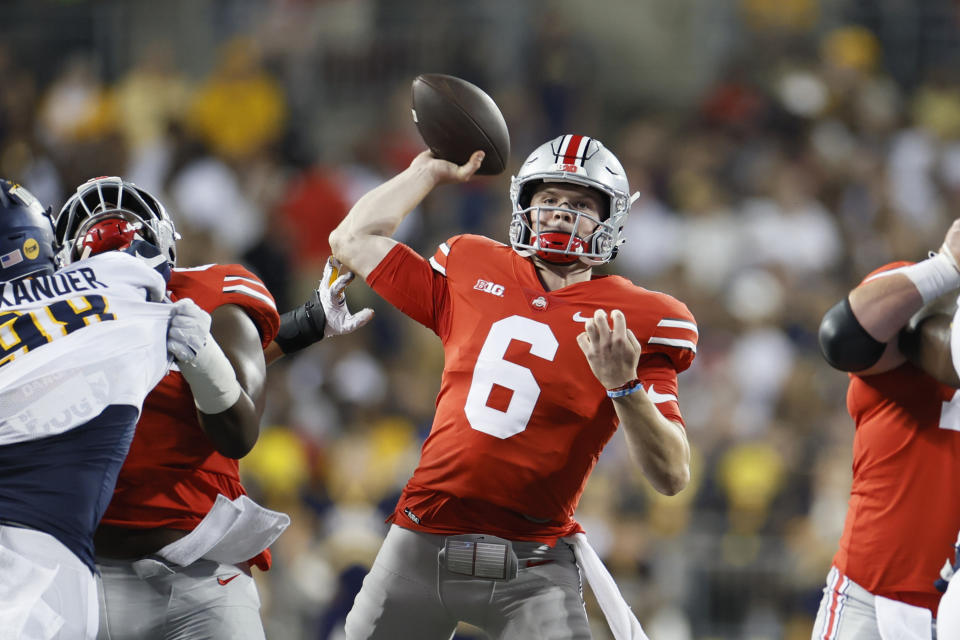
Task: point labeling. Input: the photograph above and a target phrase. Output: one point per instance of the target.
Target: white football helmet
(577, 160)
(110, 197)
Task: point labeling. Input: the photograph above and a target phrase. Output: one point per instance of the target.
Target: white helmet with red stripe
(578, 160)
(106, 212)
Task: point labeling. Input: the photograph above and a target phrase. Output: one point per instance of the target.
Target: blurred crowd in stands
(792, 174)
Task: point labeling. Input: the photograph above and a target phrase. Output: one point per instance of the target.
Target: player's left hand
(339, 320)
(612, 352)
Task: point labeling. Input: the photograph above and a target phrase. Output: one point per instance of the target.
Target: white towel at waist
(233, 531)
(623, 623)
(901, 621)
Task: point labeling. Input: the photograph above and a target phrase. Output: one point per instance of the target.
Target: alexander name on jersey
(31, 290)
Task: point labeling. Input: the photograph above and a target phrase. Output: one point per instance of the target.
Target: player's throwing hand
(443, 171)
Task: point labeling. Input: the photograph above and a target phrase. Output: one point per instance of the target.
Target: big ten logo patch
(489, 287)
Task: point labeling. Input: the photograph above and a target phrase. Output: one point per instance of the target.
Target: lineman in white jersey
(79, 351)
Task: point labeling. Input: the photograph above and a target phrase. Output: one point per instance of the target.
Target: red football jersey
(902, 519)
(520, 419)
(172, 475)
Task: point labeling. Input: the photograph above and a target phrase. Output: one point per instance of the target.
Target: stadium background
(784, 148)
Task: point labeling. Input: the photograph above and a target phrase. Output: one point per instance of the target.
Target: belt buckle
(479, 555)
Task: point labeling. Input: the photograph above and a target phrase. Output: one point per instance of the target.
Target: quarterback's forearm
(657, 444)
(364, 237)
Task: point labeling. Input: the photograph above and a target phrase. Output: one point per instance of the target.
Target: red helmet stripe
(571, 151)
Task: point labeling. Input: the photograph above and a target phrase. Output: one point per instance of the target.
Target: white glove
(202, 362)
(187, 331)
(339, 320)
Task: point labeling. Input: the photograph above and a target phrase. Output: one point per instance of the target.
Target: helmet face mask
(101, 199)
(27, 246)
(576, 160)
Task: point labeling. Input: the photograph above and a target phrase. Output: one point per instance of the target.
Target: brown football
(456, 118)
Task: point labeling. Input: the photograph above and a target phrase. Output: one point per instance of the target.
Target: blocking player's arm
(235, 431)
(658, 445)
(323, 315)
(221, 358)
(859, 334)
(364, 237)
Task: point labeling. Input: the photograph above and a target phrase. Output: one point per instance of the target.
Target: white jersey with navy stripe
(77, 341)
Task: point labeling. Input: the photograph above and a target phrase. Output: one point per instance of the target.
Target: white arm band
(212, 379)
(933, 277)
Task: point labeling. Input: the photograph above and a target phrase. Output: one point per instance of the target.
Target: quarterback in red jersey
(543, 361)
(902, 518)
(175, 546)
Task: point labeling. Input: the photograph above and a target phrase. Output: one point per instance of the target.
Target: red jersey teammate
(902, 518)
(543, 360)
(181, 474)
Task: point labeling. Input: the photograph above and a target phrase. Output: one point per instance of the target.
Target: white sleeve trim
(678, 324)
(437, 266)
(672, 342)
(239, 288)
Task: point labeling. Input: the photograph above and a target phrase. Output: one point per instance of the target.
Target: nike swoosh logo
(222, 581)
(537, 563)
(578, 317)
(657, 398)
(152, 262)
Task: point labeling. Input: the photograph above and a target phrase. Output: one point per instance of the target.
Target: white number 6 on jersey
(492, 369)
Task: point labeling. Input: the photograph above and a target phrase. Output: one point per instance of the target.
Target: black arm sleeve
(844, 342)
(303, 326)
